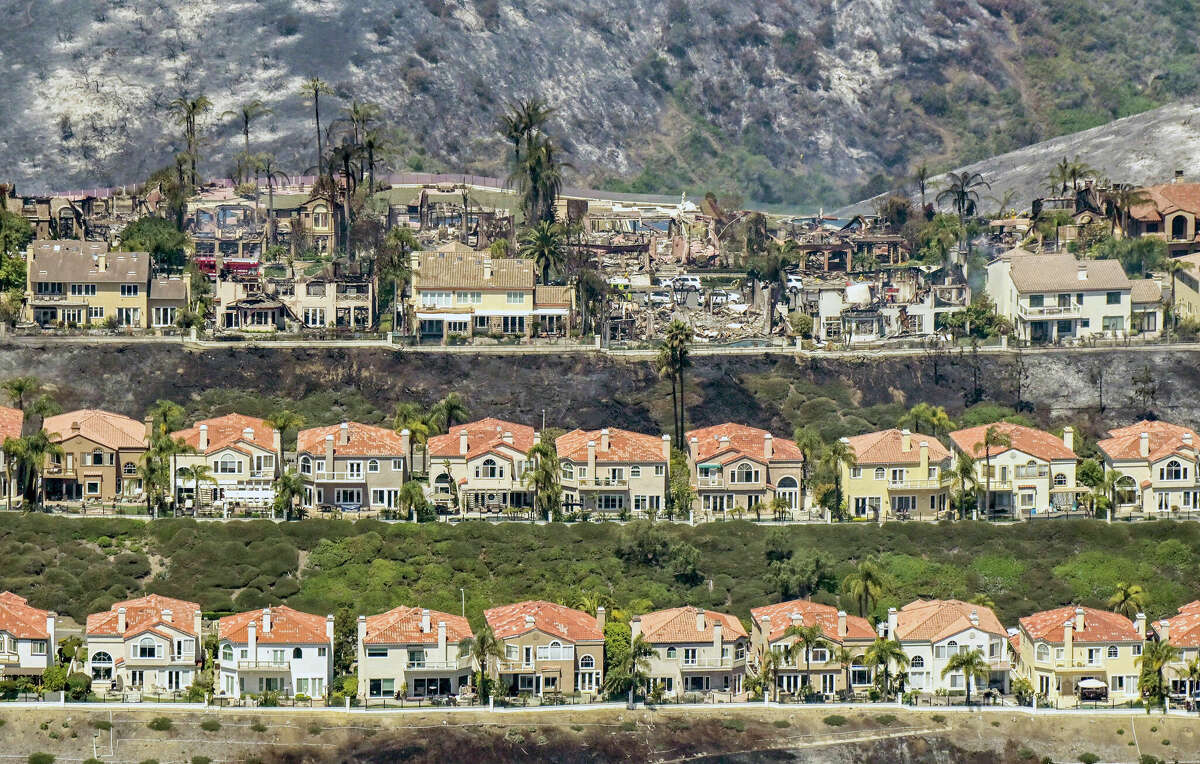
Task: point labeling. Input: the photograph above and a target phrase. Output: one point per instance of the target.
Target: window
(690, 656)
(660, 470)
(819, 654)
(83, 290)
(95, 312)
(611, 503)
(38, 647)
(397, 465)
(416, 658)
(880, 473)
(164, 316)
(1027, 498)
(314, 316)
(1113, 323)
(956, 681)
(102, 666)
(745, 473)
(1037, 300)
(129, 469)
(513, 324)
(354, 469)
(227, 653)
(129, 316)
(489, 469)
(917, 662)
(1137, 649)
(855, 473)
(322, 652)
(373, 465)
(1172, 470)
(377, 652)
(436, 299)
(305, 465)
(587, 662)
(1112, 651)
(147, 648)
(1093, 656)
(616, 474)
(859, 674)
(92, 488)
(635, 472)
(1060, 479)
(1112, 298)
(568, 470)
(381, 688)
(129, 290)
(897, 476)
(227, 465)
(516, 298)
(469, 298)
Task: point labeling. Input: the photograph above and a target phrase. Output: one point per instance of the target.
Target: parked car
(794, 283)
(686, 283)
(660, 297)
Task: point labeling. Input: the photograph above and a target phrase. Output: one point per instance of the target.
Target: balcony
(1031, 473)
(712, 481)
(601, 483)
(339, 477)
(438, 665)
(351, 297)
(707, 664)
(264, 666)
(1049, 311)
(162, 660)
(916, 484)
(10, 659)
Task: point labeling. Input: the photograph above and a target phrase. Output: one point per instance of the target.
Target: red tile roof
(21, 620)
(402, 626)
(555, 620)
(1124, 443)
(364, 440)
(1167, 198)
(886, 447)
(228, 430)
(288, 627)
(679, 625)
(482, 436)
(934, 620)
(1183, 629)
(623, 446)
(1098, 626)
(743, 441)
(857, 628)
(1037, 443)
(11, 421)
(142, 614)
(104, 427)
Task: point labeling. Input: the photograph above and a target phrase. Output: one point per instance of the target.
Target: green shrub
(1089, 758)
(201, 760)
(781, 723)
(160, 724)
(886, 720)
(1026, 753)
(102, 724)
(210, 725)
(938, 718)
(1166, 742)
(577, 727)
(258, 726)
(995, 724)
(834, 720)
(148, 761)
(734, 724)
(41, 758)
(315, 729)
(628, 726)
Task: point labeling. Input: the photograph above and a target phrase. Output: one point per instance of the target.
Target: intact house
(548, 648)
(101, 453)
(276, 649)
(149, 644)
(11, 422)
(1073, 653)
(735, 466)
(931, 631)
(480, 466)
(81, 283)
(460, 293)
(896, 473)
(695, 650)
(352, 466)
(1170, 213)
(614, 471)
(27, 637)
(1156, 464)
(243, 455)
(825, 675)
(1146, 306)
(1181, 631)
(1186, 299)
(411, 652)
(1034, 474)
(1049, 298)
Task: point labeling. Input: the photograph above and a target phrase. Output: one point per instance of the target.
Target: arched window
(670, 652)
(1060, 479)
(305, 465)
(1172, 470)
(1112, 651)
(488, 469)
(373, 465)
(228, 465)
(129, 468)
(1179, 225)
(745, 473)
(1126, 490)
(1031, 465)
(297, 653)
(787, 482)
(879, 473)
(555, 643)
(1043, 653)
(227, 652)
(147, 648)
(97, 457)
(102, 666)
(587, 662)
(917, 662)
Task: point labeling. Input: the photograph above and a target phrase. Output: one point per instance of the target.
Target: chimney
(723, 442)
(329, 454)
(974, 618)
(406, 444)
(149, 422)
(1081, 272)
(1144, 444)
(248, 434)
(74, 428)
(1069, 642)
(1187, 439)
(442, 641)
(537, 438)
(462, 442)
(693, 449)
(329, 627)
(591, 456)
(718, 638)
(197, 622)
(203, 438)
(277, 441)
(102, 262)
(841, 628)
(1139, 625)
(120, 620)
(1079, 619)
(424, 621)
(906, 440)
(266, 620)
(487, 267)
(700, 625)
(529, 622)
(362, 638)
(51, 623)
(1178, 177)
(1069, 437)
(605, 442)
(635, 627)
(768, 446)
(252, 639)
(1164, 630)
(924, 459)
(507, 437)
(891, 623)
(168, 616)
(666, 445)
(344, 434)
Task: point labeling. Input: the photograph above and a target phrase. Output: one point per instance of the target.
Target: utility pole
(463, 592)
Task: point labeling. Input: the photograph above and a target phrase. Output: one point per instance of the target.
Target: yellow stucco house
(1068, 653)
(896, 473)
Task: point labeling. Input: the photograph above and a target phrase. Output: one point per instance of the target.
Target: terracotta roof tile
(782, 613)
(1145, 290)
(934, 620)
(144, 613)
(1036, 443)
(402, 626)
(228, 430)
(886, 447)
(743, 441)
(555, 620)
(21, 620)
(11, 421)
(1098, 626)
(466, 270)
(364, 440)
(1183, 629)
(1124, 443)
(679, 625)
(288, 627)
(1166, 198)
(482, 436)
(1049, 273)
(544, 296)
(623, 446)
(103, 427)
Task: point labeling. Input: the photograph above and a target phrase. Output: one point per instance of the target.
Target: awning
(550, 312)
(444, 316)
(1092, 684)
(21, 671)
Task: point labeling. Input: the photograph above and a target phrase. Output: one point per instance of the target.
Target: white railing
(264, 665)
(1050, 311)
(435, 665)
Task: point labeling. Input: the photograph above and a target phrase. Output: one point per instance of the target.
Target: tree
(314, 88)
(187, 112)
(764, 679)
(265, 165)
(543, 479)
(964, 470)
(838, 455)
(544, 243)
(14, 458)
(448, 412)
(166, 244)
(983, 600)
(196, 473)
(37, 447)
(973, 666)
(15, 234)
(245, 114)
(1174, 267)
(962, 192)
(535, 169)
(633, 671)
(921, 178)
(864, 585)
(288, 488)
(844, 658)
(1128, 600)
(414, 418)
(1155, 657)
(412, 499)
(1145, 389)
(673, 363)
(1191, 673)
(881, 655)
(924, 417)
(1122, 198)
(808, 440)
(938, 239)
(993, 437)
(20, 389)
(806, 638)
(484, 649)
(284, 421)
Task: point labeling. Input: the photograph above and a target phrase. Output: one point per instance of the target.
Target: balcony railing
(264, 665)
(710, 663)
(1027, 473)
(548, 653)
(606, 482)
(915, 483)
(8, 659)
(436, 665)
(1050, 311)
(184, 659)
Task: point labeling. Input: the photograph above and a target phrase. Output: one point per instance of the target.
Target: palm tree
(14, 457)
(483, 648)
(838, 455)
(265, 165)
(414, 418)
(20, 388)
(1124, 197)
(448, 412)
(187, 111)
(1128, 600)
(973, 666)
(983, 600)
(284, 421)
(245, 114)
(544, 243)
(665, 366)
(964, 470)
(808, 440)
(44, 406)
(678, 344)
(38, 446)
(992, 437)
(864, 585)
(806, 639)
(1077, 170)
(963, 192)
(314, 88)
(1191, 673)
(1155, 657)
(880, 655)
(543, 479)
(347, 155)
(411, 498)
(942, 234)
(1058, 178)
(360, 114)
(1108, 489)
(921, 177)
(374, 143)
(924, 417)
(197, 473)
(534, 167)
(768, 671)
(1174, 267)
(288, 487)
(1003, 202)
(844, 658)
(632, 671)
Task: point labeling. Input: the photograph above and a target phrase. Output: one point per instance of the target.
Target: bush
(102, 724)
(160, 724)
(834, 720)
(41, 758)
(628, 726)
(1026, 753)
(201, 760)
(210, 725)
(1089, 758)
(886, 720)
(315, 729)
(734, 724)
(938, 718)
(781, 723)
(258, 727)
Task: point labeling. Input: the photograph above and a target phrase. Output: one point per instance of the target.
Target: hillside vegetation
(78, 566)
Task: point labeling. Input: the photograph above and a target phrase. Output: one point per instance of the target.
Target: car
(686, 283)
(732, 296)
(660, 297)
(794, 283)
